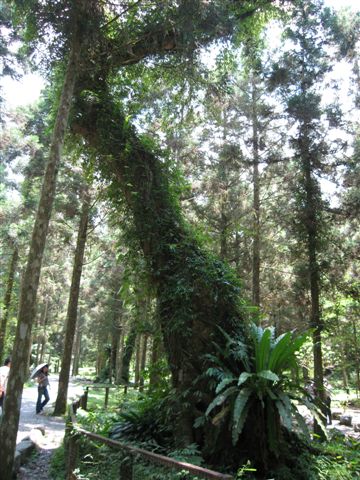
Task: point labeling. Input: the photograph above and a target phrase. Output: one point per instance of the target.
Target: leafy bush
(145, 421)
(99, 421)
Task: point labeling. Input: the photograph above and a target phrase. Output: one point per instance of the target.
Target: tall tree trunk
(43, 334)
(115, 337)
(357, 356)
(128, 352)
(311, 211)
(7, 300)
(154, 379)
(30, 282)
(137, 358)
(196, 293)
(116, 327)
(223, 230)
(119, 359)
(71, 317)
(143, 361)
(256, 199)
(77, 347)
(40, 329)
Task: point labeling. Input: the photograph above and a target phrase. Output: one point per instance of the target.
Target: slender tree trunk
(43, 333)
(143, 361)
(7, 300)
(29, 287)
(119, 359)
(155, 356)
(100, 358)
(311, 210)
(223, 231)
(115, 337)
(42, 351)
(137, 358)
(115, 331)
(77, 347)
(128, 352)
(71, 317)
(357, 356)
(256, 200)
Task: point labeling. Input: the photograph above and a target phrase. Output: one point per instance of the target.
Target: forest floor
(54, 428)
(38, 466)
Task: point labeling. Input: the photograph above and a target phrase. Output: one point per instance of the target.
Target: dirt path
(54, 428)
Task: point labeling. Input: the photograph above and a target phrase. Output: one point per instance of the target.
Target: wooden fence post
(72, 457)
(126, 467)
(84, 398)
(106, 397)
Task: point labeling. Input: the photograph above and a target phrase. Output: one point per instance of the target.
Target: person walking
(42, 378)
(4, 375)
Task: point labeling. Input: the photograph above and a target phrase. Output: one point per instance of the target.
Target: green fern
(264, 382)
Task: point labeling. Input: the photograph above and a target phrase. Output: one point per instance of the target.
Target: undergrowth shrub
(145, 421)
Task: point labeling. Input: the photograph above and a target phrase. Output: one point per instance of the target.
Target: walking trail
(54, 428)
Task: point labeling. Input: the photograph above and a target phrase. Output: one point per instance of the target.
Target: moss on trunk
(196, 293)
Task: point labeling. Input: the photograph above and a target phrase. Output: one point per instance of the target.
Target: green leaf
(224, 383)
(271, 394)
(285, 414)
(318, 415)
(301, 422)
(263, 351)
(243, 377)
(268, 375)
(279, 352)
(220, 399)
(241, 408)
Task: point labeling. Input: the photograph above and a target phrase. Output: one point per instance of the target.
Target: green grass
(96, 397)
(57, 464)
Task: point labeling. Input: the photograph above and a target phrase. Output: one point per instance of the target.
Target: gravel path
(54, 428)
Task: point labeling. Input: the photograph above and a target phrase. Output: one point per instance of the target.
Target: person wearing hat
(4, 375)
(43, 382)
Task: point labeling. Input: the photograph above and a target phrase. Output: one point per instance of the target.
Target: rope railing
(133, 454)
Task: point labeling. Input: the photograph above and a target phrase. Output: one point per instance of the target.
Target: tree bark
(71, 317)
(29, 287)
(119, 359)
(7, 300)
(40, 326)
(143, 361)
(256, 199)
(128, 352)
(311, 224)
(154, 379)
(77, 347)
(357, 356)
(137, 358)
(43, 334)
(116, 328)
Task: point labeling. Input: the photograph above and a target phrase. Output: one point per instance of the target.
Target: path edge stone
(26, 447)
